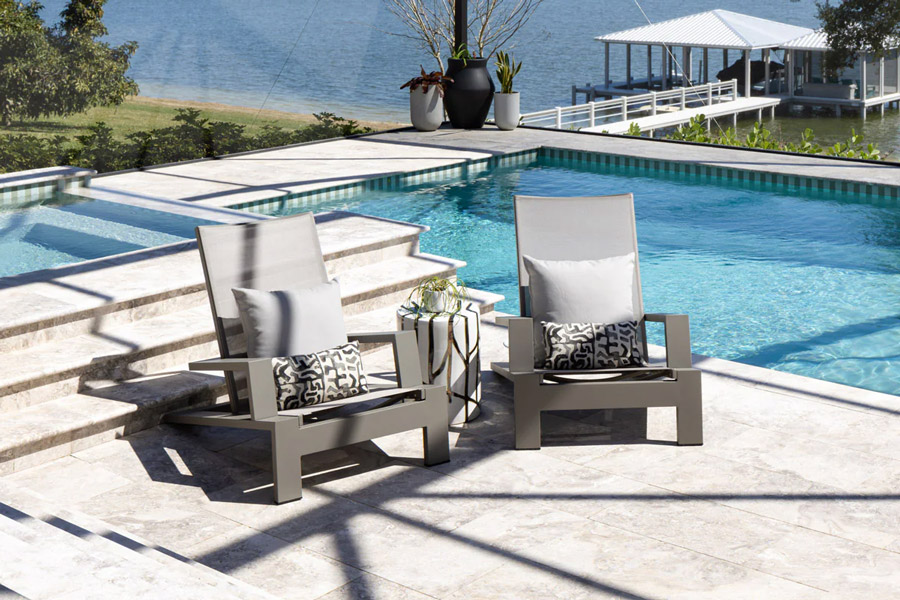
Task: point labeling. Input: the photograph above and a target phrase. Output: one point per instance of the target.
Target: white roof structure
(811, 41)
(712, 29)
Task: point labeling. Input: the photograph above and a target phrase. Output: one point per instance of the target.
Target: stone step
(100, 413)
(71, 301)
(60, 368)
(142, 569)
(107, 410)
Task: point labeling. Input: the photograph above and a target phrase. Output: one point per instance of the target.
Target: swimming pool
(785, 277)
(67, 228)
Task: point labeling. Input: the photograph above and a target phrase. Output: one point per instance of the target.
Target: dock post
(747, 82)
(708, 125)
(768, 72)
(652, 104)
(789, 71)
(837, 111)
(897, 61)
(574, 95)
(709, 94)
(593, 114)
(882, 109)
(650, 68)
(664, 57)
(683, 99)
(628, 66)
(624, 108)
(881, 78)
(863, 86)
(558, 117)
(606, 64)
(734, 119)
(706, 65)
(772, 112)
(862, 111)
(759, 115)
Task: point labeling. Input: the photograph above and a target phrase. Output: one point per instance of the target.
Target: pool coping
(468, 167)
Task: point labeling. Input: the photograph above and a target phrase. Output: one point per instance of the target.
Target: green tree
(59, 70)
(854, 26)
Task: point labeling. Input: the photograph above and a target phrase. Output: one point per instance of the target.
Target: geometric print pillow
(577, 346)
(332, 374)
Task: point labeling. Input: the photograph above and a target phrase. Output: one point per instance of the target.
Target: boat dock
(680, 87)
(655, 110)
(669, 119)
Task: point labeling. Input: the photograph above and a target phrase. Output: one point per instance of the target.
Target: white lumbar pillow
(579, 291)
(291, 322)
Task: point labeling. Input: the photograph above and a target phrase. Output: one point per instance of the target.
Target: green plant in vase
(438, 295)
(506, 101)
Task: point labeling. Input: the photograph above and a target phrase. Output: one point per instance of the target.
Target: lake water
(231, 51)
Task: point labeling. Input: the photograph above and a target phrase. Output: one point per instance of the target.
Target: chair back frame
(577, 228)
(269, 255)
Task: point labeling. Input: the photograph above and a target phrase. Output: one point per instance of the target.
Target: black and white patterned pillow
(578, 346)
(307, 379)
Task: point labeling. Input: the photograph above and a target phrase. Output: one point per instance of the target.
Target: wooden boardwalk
(667, 119)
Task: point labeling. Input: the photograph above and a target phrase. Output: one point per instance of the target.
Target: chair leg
(527, 413)
(436, 435)
(689, 412)
(286, 456)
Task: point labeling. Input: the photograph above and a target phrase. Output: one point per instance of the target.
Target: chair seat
(592, 375)
(349, 406)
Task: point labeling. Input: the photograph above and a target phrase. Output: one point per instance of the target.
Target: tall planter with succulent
(426, 99)
(506, 101)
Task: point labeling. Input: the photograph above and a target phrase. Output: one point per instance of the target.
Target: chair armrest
(521, 344)
(678, 338)
(260, 381)
(406, 353)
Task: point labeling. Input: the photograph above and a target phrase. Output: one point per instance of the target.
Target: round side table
(449, 354)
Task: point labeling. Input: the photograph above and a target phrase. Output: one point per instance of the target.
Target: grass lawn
(140, 113)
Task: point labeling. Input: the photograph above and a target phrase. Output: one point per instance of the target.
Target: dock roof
(711, 29)
(817, 40)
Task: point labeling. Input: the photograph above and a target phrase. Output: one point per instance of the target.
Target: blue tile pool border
(29, 194)
(645, 166)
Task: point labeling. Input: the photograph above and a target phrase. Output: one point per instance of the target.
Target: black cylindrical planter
(468, 98)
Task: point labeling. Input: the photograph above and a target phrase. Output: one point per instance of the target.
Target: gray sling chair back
(282, 254)
(586, 229)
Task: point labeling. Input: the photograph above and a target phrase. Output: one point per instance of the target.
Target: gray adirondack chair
(583, 229)
(280, 254)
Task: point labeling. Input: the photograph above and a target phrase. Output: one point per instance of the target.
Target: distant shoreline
(264, 115)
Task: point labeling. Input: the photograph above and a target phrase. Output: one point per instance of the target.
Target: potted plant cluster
(469, 96)
(506, 101)
(426, 99)
(437, 295)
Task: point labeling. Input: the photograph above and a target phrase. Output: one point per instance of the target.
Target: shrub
(191, 137)
(760, 137)
(23, 152)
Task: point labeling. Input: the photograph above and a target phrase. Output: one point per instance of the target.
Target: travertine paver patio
(796, 494)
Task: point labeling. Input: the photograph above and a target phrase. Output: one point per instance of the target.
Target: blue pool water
(788, 279)
(67, 229)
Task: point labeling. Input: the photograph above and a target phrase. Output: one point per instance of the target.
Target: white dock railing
(594, 114)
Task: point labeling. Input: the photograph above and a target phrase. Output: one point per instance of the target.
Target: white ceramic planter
(434, 302)
(506, 110)
(426, 109)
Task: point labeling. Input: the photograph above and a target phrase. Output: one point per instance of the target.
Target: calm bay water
(231, 51)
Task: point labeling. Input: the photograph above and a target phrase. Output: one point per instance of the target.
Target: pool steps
(106, 358)
(89, 557)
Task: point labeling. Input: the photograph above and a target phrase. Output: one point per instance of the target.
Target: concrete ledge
(35, 176)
